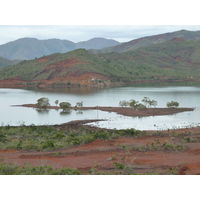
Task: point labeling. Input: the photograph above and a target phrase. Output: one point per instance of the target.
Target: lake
(186, 95)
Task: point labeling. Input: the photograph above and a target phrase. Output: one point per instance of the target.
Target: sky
(80, 20)
(77, 33)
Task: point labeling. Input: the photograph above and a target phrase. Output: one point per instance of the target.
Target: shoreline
(15, 83)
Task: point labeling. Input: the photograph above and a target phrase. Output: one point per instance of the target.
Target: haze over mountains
(166, 57)
(31, 48)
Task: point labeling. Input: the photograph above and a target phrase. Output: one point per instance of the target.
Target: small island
(125, 111)
(130, 108)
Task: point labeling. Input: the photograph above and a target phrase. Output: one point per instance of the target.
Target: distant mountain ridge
(150, 40)
(96, 43)
(31, 48)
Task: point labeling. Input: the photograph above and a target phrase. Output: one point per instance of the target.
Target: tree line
(43, 103)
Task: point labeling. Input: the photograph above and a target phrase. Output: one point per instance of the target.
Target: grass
(45, 138)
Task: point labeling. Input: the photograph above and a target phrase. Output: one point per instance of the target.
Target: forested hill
(176, 59)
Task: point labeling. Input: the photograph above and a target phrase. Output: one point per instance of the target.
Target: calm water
(187, 96)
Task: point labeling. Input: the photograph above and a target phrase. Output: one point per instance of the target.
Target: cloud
(78, 33)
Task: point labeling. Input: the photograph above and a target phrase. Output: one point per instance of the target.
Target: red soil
(60, 65)
(102, 154)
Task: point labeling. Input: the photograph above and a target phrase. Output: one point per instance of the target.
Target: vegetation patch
(45, 138)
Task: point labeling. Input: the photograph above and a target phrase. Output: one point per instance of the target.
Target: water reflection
(42, 111)
(65, 112)
(79, 112)
(68, 90)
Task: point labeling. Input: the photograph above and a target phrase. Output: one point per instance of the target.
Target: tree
(124, 103)
(149, 102)
(145, 100)
(140, 106)
(56, 102)
(42, 103)
(79, 104)
(65, 105)
(133, 103)
(172, 104)
(152, 103)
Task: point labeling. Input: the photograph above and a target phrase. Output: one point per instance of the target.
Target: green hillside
(177, 59)
(5, 62)
(85, 62)
(174, 59)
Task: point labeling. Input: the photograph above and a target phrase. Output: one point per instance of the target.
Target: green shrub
(118, 165)
(48, 145)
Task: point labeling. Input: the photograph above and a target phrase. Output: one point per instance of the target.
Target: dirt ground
(101, 155)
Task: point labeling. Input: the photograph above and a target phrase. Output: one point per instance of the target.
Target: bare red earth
(102, 154)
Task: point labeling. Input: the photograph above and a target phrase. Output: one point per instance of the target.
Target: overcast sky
(80, 20)
(76, 33)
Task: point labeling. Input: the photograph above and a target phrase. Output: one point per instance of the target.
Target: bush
(48, 145)
(172, 104)
(12, 169)
(118, 165)
(42, 103)
(3, 138)
(65, 105)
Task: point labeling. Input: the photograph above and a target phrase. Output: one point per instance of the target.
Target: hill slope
(78, 67)
(150, 40)
(177, 59)
(30, 48)
(5, 62)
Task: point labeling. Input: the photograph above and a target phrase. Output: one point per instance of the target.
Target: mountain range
(166, 57)
(30, 48)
